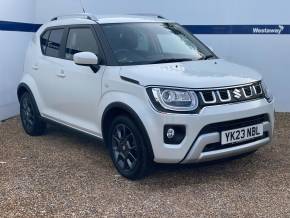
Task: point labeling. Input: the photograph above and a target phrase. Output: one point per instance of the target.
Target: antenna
(82, 5)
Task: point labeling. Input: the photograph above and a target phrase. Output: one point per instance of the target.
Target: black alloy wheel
(127, 148)
(124, 147)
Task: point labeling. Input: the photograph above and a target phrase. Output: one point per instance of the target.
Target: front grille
(230, 95)
(234, 124)
(216, 96)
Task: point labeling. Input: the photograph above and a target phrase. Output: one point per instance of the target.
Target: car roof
(102, 19)
(84, 18)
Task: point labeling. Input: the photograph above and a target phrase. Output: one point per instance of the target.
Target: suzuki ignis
(146, 86)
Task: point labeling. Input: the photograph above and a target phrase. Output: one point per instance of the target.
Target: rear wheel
(128, 150)
(30, 117)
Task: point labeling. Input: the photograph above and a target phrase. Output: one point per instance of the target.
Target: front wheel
(128, 150)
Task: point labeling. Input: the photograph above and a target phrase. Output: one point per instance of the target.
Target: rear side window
(80, 40)
(54, 41)
(44, 41)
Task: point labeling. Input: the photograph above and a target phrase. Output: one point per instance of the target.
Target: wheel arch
(118, 108)
(23, 88)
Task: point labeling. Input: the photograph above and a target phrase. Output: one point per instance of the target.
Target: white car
(146, 86)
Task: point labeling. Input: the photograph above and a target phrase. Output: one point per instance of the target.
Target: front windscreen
(152, 43)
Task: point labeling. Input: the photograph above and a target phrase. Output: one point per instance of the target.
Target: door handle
(35, 67)
(61, 74)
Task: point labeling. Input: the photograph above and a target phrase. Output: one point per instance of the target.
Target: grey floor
(64, 173)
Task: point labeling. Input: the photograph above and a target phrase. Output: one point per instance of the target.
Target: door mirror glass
(86, 59)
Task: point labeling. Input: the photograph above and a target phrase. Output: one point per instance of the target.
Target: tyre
(127, 148)
(30, 117)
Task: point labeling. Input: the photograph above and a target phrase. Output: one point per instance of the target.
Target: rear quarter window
(54, 43)
(44, 40)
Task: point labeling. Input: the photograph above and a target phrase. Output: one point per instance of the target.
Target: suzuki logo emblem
(237, 93)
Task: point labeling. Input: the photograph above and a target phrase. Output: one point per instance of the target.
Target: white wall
(13, 46)
(269, 54)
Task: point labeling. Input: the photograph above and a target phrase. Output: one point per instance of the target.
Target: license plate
(242, 134)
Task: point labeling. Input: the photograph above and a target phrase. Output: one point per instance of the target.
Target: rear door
(48, 70)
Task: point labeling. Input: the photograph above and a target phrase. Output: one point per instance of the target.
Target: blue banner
(17, 26)
(239, 29)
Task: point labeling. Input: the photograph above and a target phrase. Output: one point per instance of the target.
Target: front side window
(54, 43)
(80, 40)
(152, 43)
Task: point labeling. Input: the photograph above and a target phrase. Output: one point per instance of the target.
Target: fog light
(173, 134)
(170, 133)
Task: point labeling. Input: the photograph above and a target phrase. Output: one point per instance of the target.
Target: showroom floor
(65, 173)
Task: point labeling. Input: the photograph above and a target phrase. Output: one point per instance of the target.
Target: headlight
(268, 94)
(173, 99)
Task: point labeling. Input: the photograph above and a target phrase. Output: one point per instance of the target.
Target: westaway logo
(278, 30)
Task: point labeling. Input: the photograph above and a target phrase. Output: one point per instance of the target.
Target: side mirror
(85, 59)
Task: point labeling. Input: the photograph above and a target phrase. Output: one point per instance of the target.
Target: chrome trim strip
(245, 94)
(232, 151)
(208, 102)
(224, 100)
(254, 87)
(199, 145)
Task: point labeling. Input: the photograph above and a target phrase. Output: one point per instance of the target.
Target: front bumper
(192, 148)
(197, 153)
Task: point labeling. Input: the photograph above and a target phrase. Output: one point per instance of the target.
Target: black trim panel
(130, 80)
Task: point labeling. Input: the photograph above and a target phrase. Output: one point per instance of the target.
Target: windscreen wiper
(171, 60)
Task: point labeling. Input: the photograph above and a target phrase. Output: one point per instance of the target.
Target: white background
(12, 52)
(269, 54)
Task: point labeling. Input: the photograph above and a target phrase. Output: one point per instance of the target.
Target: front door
(80, 90)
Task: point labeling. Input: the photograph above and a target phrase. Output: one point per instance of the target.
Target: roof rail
(77, 15)
(149, 15)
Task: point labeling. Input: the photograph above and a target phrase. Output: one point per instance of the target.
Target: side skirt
(68, 125)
